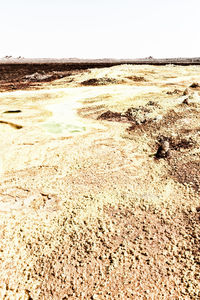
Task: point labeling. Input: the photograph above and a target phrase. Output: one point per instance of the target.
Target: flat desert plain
(87, 208)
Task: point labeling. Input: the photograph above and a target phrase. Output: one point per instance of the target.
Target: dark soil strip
(16, 126)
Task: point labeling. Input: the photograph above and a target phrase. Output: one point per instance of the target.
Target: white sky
(100, 28)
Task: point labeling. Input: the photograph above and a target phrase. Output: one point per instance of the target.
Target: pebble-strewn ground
(91, 213)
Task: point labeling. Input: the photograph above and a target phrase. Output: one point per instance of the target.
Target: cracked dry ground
(98, 217)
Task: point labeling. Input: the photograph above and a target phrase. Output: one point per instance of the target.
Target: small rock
(194, 85)
(198, 209)
(12, 111)
(163, 150)
(186, 92)
(174, 92)
(186, 101)
(151, 103)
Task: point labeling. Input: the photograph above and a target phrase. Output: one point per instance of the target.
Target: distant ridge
(110, 61)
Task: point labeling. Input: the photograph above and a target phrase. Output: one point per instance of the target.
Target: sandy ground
(87, 211)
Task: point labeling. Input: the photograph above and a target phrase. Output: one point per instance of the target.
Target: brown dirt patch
(132, 115)
(175, 92)
(182, 140)
(187, 173)
(136, 78)
(177, 142)
(101, 81)
(111, 116)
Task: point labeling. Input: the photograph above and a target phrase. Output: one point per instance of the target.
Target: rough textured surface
(91, 213)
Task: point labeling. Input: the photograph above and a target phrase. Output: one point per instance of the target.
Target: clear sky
(100, 28)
